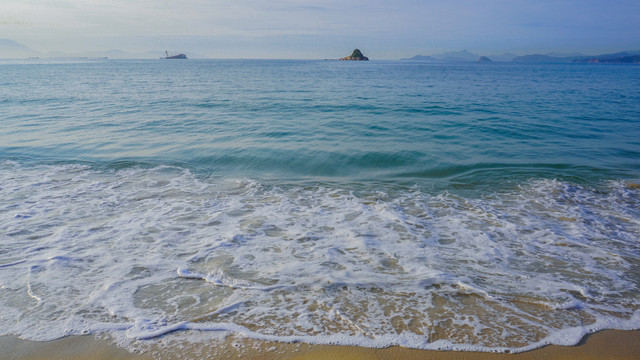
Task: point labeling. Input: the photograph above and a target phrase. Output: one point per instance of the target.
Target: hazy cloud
(282, 28)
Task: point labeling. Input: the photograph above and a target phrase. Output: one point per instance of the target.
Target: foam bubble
(137, 253)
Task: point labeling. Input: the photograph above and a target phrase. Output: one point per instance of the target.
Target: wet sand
(610, 344)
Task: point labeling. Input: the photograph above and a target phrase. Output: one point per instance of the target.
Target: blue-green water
(495, 205)
(316, 121)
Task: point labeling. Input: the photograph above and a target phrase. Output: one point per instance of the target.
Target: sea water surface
(491, 207)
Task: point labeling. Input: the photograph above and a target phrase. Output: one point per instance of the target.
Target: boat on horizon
(167, 56)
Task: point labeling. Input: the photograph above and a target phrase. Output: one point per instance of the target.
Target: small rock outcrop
(483, 59)
(356, 55)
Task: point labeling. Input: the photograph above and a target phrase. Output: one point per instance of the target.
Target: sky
(304, 29)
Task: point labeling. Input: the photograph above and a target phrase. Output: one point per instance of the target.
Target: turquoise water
(495, 205)
(316, 121)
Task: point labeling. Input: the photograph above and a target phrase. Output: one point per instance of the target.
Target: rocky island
(356, 55)
(483, 59)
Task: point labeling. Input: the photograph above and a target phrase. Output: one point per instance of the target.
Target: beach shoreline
(607, 344)
(437, 206)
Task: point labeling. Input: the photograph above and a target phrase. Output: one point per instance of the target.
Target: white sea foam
(138, 253)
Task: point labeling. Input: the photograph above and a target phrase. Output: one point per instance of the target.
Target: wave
(137, 252)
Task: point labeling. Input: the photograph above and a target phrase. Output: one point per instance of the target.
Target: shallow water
(466, 206)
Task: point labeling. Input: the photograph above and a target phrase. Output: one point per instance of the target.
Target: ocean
(460, 206)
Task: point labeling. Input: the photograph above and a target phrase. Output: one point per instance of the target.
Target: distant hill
(539, 58)
(120, 54)
(621, 57)
(421, 58)
(463, 55)
(11, 49)
(634, 59)
(564, 55)
(506, 57)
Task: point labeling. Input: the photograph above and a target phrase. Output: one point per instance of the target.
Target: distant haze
(327, 29)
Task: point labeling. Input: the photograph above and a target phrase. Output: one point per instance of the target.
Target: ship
(179, 56)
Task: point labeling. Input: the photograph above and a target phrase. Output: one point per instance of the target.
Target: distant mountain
(625, 56)
(621, 57)
(564, 55)
(119, 54)
(111, 54)
(421, 58)
(506, 57)
(114, 54)
(12, 49)
(634, 59)
(463, 55)
(539, 58)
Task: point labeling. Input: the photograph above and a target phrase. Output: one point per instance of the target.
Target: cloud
(415, 25)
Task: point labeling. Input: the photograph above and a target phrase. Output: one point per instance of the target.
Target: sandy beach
(609, 344)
